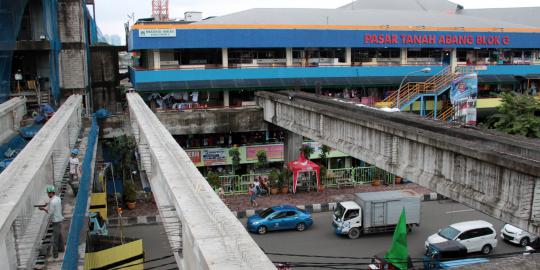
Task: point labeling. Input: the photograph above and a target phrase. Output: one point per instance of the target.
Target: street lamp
(424, 70)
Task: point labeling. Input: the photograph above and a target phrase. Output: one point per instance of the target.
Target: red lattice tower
(160, 10)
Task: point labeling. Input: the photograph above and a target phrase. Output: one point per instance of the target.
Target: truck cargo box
(384, 208)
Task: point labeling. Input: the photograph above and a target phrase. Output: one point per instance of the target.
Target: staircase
(446, 113)
(434, 86)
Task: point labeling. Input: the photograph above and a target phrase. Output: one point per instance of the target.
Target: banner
(215, 156)
(463, 95)
(272, 151)
(194, 155)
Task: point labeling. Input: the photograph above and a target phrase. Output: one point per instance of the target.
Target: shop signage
(157, 33)
(272, 151)
(194, 155)
(436, 39)
(215, 156)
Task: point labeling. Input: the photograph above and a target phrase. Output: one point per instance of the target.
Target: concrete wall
(73, 56)
(11, 115)
(196, 122)
(495, 173)
(212, 238)
(40, 163)
(105, 76)
(214, 121)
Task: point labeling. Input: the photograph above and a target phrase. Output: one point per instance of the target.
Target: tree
(307, 150)
(234, 153)
(325, 150)
(122, 150)
(517, 114)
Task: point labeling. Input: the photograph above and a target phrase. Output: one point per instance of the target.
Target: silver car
(517, 235)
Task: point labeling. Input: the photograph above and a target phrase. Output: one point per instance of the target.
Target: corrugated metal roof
(418, 5)
(303, 16)
(526, 16)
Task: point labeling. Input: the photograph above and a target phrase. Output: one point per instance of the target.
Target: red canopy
(304, 165)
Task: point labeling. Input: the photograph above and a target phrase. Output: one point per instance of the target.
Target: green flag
(399, 253)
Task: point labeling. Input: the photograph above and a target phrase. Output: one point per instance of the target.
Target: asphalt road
(321, 240)
(155, 244)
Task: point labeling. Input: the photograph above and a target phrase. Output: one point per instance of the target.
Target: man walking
(54, 209)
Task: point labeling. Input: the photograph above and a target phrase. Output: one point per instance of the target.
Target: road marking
(457, 211)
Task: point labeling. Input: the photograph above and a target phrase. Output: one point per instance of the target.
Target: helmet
(50, 189)
(75, 151)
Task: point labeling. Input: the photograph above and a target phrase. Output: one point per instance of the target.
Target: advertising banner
(194, 155)
(215, 156)
(463, 95)
(272, 151)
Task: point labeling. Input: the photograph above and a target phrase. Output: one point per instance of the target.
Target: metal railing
(239, 184)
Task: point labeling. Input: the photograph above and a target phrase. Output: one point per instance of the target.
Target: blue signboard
(287, 38)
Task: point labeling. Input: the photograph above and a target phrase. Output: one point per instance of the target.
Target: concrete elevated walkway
(40, 163)
(211, 236)
(11, 115)
(495, 173)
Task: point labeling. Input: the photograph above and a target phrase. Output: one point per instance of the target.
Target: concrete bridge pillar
(293, 143)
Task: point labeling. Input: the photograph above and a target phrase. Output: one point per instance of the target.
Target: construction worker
(74, 171)
(54, 209)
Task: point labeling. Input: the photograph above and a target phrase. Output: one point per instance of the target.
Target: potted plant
(323, 172)
(307, 150)
(273, 178)
(283, 180)
(262, 159)
(130, 194)
(213, 179)
(377, 178)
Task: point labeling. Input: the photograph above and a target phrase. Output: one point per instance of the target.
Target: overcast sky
(112, 14)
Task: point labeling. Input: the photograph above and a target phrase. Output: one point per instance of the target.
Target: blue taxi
(282, 217)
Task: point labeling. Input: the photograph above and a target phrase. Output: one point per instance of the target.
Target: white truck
(372, 212)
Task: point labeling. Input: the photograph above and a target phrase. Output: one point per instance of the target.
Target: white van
(476, 236)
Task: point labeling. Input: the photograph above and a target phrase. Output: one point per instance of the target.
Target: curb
(134, 221)
(326, 207)
(310, 208)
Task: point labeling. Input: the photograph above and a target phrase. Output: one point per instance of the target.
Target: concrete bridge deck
(495, 173)
(40, 163)
(11, 115)
(211, 236)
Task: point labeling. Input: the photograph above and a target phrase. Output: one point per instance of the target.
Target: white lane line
(458, 211)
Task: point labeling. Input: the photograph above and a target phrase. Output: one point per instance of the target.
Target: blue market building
(366, 47)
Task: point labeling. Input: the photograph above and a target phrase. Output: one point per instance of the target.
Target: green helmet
(50, 189)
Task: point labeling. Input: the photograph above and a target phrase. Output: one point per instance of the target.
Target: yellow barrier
(129, 256)
(98, 204)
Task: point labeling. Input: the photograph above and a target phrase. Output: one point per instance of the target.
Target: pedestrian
(252, 192)
(54, 209)
(74, 171)
(257, 186)
(74, 168)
